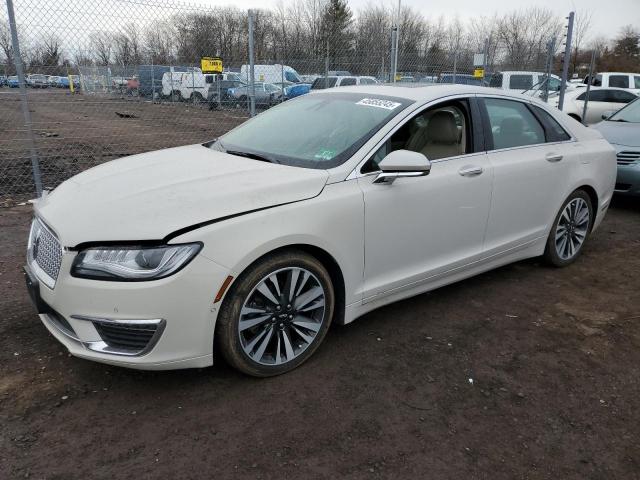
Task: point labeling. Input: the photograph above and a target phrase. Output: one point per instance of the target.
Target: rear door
(531, 168)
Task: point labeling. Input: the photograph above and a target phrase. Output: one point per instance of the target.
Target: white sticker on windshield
(376, 102)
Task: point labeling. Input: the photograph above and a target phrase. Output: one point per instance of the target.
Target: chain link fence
(96, 80)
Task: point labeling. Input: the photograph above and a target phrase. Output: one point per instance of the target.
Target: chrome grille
(627, 158)
(45, 251)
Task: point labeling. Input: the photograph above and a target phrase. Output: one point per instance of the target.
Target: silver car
(267, 94)
(622, 130)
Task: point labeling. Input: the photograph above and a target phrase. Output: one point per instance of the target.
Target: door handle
(553, 157)
(470, 171)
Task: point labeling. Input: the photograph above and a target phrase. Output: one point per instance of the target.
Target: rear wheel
(570, 230)
(276, 314)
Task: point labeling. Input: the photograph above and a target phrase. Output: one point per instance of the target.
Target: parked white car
(316, 211)
(601, 100)
(321, 83)
(629, 81)
(520, 81)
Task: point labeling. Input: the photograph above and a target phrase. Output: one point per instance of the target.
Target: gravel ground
(523, 372)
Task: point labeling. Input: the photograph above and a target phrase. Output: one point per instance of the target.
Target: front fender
(333, 221)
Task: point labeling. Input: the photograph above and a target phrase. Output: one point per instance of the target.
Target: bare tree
(101, 47)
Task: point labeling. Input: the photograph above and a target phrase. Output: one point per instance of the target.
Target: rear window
(366, 81)
(347, 81)
(619, 81)
(521, 82)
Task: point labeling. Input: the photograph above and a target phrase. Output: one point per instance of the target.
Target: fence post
(252, 78)
(565, 62)
(455, 65)
(586, 97)
(24, 102)
(394, 53)
(485, 61)
(551, 49)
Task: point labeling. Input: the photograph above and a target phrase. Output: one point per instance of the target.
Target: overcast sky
(608, 15)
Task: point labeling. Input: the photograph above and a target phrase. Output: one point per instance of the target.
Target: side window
(347, 81)
(439, 132)
(620, 81)
(636, 81)
(594, 96)
(512, 124)
(620, 96)
(555, 132)
(496, 80)
(366, 81)
(521, 82)
(598, 81)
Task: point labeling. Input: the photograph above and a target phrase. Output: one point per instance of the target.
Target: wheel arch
(593, 196)
(327, 260)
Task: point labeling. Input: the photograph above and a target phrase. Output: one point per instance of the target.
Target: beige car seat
(440, 138)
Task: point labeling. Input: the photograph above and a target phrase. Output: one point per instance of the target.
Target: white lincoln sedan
(315, 211)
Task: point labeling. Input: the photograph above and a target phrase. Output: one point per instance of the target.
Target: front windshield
(629, 113)
(320, 130)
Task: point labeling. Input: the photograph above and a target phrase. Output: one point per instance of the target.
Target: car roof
(617, 73)
(424, 91)
(578, 91)
(521, 72)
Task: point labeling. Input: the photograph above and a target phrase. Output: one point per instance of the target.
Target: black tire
(551, 255)
(228, 336)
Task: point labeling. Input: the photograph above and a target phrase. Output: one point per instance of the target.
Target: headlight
(135, 263)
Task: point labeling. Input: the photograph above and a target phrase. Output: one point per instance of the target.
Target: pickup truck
(630, 81)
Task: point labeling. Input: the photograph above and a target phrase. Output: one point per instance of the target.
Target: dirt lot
(75, 132)
(554, 358)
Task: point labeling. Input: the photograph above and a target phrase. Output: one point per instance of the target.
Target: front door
(418, 228)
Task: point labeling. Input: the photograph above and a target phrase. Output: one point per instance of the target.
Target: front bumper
(160, 324)
(628, 179)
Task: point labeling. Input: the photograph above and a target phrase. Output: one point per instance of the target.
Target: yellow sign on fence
(478, 73)
(211, 64)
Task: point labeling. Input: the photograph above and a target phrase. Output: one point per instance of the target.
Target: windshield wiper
(254, 156)
(618, 120)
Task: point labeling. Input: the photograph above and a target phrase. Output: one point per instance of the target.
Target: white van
(629, 81)
(197, 84)
(521, 81)
(171, 80)
(270, 74)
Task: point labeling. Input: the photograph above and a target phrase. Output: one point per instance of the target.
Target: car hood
(151, 195)
(620, 133)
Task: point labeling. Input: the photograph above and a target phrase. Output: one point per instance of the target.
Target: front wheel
(276, 314)
(570, 230)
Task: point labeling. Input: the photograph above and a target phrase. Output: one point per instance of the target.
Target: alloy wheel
(572, 228)
(281, 316)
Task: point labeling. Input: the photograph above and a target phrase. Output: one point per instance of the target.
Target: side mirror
(607, 114)
(402, 163)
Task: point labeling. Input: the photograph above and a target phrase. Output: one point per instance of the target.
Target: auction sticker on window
(377, 102)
